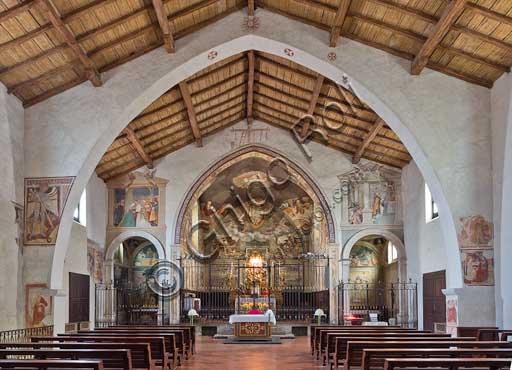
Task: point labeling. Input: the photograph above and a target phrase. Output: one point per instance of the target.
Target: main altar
(253, 327)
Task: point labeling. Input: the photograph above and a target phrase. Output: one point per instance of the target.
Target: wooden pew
(320, 334)
(341, 348)
(504, 335)
(45, 364)
(314, 329)
(140, 352)
(447, 363)
(328, 341)
(112, 358)
(156, 344)
(176, 345)
(190, 331)
(471, 331)
(171, 350)
(374, 358)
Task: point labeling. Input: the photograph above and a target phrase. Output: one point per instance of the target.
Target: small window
(431, 210)
(80, 215)
(392, 253)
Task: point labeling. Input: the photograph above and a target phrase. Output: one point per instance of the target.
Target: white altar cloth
(252, 318)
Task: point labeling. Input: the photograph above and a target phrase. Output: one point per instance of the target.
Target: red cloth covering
(254, 311)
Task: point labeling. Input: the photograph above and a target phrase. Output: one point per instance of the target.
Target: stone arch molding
(392, 237)
(227, 49)
(111, 249)
(185, 202)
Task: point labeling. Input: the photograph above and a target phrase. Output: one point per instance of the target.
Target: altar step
(274, 336)
(284, 330)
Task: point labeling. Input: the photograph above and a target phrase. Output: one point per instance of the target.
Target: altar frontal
(253, 327)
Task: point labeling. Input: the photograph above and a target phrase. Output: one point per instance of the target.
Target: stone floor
(213, 354)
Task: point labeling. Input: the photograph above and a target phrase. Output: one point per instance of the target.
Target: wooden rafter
(450, 14)
(339, 20)
(16, 10)
(53, 15)
(367, 140)
(498, 17)
(138, 146)
(185, 93)
(312, 103)
(250, 86)
(250, 8)
(165, 26)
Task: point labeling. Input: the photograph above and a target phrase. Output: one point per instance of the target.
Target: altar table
(253, 327)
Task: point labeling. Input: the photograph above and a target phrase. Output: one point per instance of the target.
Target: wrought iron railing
(23, 335)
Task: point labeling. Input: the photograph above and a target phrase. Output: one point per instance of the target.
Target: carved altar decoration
(371, 195)
(136, 201)
(244, 223)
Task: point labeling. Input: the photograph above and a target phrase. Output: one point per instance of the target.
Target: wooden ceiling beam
(450, 15)
(165, 26)
(16, 10)
(312, 104)
(422, 39)
(250, 8)
(250, 85)
(339, 20)
(185, 93)
(137, 146)
(489, 13)
(53, 15)
(372, 134)
(43, 78)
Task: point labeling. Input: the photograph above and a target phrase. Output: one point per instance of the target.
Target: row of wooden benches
(117, 347)
(368, 347)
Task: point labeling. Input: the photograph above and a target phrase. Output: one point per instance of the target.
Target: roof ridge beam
(250, 86)
(450, 15)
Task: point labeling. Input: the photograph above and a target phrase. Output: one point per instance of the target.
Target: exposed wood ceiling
(252, 85)
(49, 46)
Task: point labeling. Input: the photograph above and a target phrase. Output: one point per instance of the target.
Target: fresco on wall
(477, 253)
(136, 207)
(240, 207)
(95, 261)
(142, 261)
(363, 256)
(371, 195)
(451, 314)
(38, 306)
(478, 266)
(45, 199)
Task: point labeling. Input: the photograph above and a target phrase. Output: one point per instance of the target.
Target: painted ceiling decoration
(251, 85)
(49, 46)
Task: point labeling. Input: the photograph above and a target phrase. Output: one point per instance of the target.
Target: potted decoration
(318, 314)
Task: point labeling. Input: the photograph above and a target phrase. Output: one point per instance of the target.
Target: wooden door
(434, 302)
(78, 297)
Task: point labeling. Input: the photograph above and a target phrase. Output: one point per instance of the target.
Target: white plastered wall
(11, 189)
(501, 105)
(443, 121)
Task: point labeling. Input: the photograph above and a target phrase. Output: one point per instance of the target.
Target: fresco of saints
(42, 219)
(476, 268)
(357, 215)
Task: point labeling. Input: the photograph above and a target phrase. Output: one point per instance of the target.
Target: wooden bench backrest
(374, 358)
(112, 358)
(341, 346)
(140, 352)
(316, 329)
(156, 344)
(174, 338)
(450, 363)
(189, 331)
(44, 364)
(504, 335)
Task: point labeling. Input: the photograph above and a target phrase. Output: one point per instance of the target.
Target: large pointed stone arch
(253, 42)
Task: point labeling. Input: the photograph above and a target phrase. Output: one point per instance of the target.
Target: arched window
(431, 211)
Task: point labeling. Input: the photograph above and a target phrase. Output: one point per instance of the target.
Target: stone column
(333, 283)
